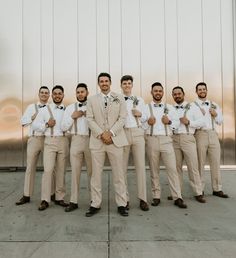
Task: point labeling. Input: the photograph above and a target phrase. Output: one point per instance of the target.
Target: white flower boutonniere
(135, 101)
(166, 110)
(213, 106)
(187, 107)
(115, 99)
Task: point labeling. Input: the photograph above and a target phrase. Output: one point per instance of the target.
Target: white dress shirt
(26, 118)
(208, 119)
(193, 114)
(158, 112)
(42, 118)
(130, 121)
(68, 123)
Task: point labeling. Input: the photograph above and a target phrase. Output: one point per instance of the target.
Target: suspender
(151, 112)
(166, 112)
(185, 112)
(51, 117)
(75, 120)
(36, 112)
(212, 120)
(134, 106)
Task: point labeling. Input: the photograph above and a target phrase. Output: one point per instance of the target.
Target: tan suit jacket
(111, 118)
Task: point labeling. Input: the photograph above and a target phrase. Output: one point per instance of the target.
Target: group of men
(115, 124)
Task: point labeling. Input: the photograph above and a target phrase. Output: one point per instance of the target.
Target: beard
(83, 100)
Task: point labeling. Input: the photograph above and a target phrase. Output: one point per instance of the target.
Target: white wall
(176, 42)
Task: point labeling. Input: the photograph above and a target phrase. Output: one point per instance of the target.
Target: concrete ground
(202, 230)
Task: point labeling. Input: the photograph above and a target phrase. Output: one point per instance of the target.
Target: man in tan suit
(74, 121)
(106, 113)
(162, 120)
(207, 139)
(56, 148)
(184, 143)
(135, 136)
(35, 143)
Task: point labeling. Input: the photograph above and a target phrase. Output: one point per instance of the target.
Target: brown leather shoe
(122, 210)
(143, 205)
(155, 202)
(92, 211)
(180, 203)
(43, 206)
(200, 199)
(72, 206)
(220, 194)
(23, 200)
(61, 203)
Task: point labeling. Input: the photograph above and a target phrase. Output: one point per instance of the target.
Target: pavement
(203, 230)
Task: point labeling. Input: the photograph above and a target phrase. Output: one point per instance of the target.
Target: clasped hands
(106, 137)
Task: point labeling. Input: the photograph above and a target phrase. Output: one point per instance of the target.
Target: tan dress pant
(185, 148)
(135, 137)
(79, 151)
(34, 147)
(115, 156)
(161, 147)
(56, 151)
(208, 144)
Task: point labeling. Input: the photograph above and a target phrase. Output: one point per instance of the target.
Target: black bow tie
(179, 107)
(126, 98)
(41, 106)
(82, 104)
(60, 107)
(157, 105)
(205, 103)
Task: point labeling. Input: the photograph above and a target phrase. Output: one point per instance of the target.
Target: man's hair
(44, 87)
(58, 87)
(201, 84)
(178, 87)
(156, 84)
(82, 85)
(126, 78)
(104, 75)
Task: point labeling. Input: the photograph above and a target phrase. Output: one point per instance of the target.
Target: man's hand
(51, 122)
(165, 120)
(184, 120)
(213, 112)
(151, 120)
(106, 137)
(136, 113)
(77, 114)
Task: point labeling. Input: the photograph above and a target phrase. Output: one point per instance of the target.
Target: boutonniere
(166, 110)
(115, 99)
(135, 101)
(187, 107)
(213, 106)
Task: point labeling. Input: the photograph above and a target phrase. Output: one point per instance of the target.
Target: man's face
(57, 96)
(157, 93)
(201, 91)
(44, 95)
(178, 96)
(81, 94)
(104, 84)
(126, 87)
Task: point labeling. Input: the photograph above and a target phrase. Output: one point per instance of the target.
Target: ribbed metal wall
(176, 42)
